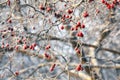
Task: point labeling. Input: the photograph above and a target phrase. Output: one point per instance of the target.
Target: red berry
(80, 34)
(9, 21)
(7, 45)
(67, 16)
(2, 46)
(69, 11)
(97, 11)
(79, 67)
(78, 51)
(33, 28)
(31, 47)
(16, 73)
(70, 17)
(76, 48)
(112, 5)
(52, 67)
(78, 24)
(109, 6)
(2, 43)
(47, 56)
(82, 26)
(72, 29)
(62, 27)
(103, 1)
(115, 1)
(34, 44)
(18, 41)
(16, 47)
(3, 36)
(76, 28)
(8, 2)
(48, 9)
(85, 14)
(41, 7)
(25, 46)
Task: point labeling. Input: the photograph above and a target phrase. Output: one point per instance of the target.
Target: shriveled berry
(47, 47)
(85, 14)
(47, 56)
(52, 67)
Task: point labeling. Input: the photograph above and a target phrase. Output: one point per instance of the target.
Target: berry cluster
(110, 5)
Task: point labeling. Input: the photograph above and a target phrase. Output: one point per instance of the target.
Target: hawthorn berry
(34, 44)
(67, 16)
(62, 27)
(114, 1)
(80, 34)
(47, 56)
(16, 73)
(16, 47)
(2, 43)
(11, 29)
(82, 26)
(48, 9)
(79, 68)
(33, 28)
(108, 6)
(103, 1)
(8, 2)
(19, 41)
(78, 24)
(47, 47)
(9, 21)
(7, 45)
(25, 46)
(72, 28)
(30, 46)
(52, 67)
(57, 15)
(97, 11)
(76, 48)
(85, 14)
(76, 28)
(3, 36)
(112, 5)
(78, 51)
(69, 11)
(2, 46)
(41, 7)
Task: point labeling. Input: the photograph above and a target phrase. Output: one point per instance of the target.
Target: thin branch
(27, 5)
(84, 44)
